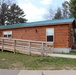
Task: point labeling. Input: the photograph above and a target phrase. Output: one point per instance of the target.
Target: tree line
(68, 10)
(11, 13)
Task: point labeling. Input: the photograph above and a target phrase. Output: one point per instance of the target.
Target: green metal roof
(39, 23)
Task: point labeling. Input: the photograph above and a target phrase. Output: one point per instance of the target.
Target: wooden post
(46, 49)
(29, 48)
(42, 51)
(52, 48)
(14, 46)
(2, 45)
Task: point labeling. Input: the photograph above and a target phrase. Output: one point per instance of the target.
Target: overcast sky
(35, 9)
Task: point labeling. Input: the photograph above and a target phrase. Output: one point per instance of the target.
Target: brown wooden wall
(61, 34)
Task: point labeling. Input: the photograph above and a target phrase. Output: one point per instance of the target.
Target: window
(7, 33)
(50, 34)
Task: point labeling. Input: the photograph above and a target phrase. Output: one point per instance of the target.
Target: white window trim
(7, 33)
(53, 35)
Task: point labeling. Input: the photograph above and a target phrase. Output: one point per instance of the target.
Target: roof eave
(39, 25)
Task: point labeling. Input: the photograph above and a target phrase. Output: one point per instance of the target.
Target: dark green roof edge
(39, 23)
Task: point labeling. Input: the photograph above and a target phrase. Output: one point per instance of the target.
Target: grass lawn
(72, 53)
(10, 60)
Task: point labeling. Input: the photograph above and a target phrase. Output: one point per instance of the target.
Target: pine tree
(16, 15)
(3, 13)
(58, 14)
(11, 15)
(65, 9)
(72, 6)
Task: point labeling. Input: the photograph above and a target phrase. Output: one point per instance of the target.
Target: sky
(35, 9)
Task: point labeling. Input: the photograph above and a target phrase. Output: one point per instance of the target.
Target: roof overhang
(37, 26)
(40, 23)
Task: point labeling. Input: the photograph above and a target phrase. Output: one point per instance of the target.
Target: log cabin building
(60, 32)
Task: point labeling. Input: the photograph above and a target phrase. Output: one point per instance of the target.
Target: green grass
(10, 60)
(72, 53)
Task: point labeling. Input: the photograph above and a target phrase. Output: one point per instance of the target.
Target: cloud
(46, 2)
(67, 0)
(32, 12)
(22, 1)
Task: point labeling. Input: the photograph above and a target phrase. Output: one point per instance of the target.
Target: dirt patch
(17, 65)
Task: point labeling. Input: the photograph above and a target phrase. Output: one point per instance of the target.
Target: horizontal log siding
(61, 34)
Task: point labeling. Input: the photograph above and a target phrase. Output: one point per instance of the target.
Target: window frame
(50, 35)
(7, 33)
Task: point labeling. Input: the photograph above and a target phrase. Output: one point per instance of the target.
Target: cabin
(60, 32)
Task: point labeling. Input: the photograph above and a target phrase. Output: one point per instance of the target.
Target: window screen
(50, 38)
(10, 35)
(5, 35)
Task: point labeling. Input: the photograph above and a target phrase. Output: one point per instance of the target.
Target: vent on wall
(36, 30)
(0, 32)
